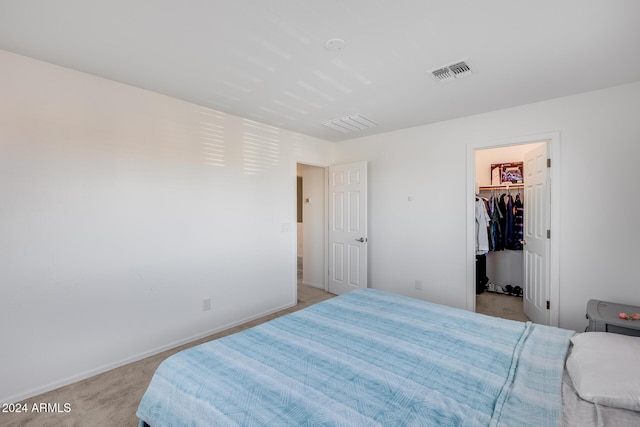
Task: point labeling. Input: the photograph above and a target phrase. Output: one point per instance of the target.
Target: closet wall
(503, 267)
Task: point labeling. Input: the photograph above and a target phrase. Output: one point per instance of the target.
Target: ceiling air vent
(451, 72)
(350, 123)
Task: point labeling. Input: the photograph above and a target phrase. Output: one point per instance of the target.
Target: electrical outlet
(419, 285)
(206, 304)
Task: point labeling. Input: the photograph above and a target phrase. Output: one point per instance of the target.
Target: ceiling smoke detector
(350, 123)
(451, 72)
(335, 44)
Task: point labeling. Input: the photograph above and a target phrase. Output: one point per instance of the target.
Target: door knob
(361, 240)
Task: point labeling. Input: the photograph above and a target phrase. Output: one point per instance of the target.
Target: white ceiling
(267, 61)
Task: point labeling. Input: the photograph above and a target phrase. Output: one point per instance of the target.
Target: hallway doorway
(311, 231)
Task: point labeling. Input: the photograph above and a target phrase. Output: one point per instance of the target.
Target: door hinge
(548, 234)
(548, 163)
(548, 305)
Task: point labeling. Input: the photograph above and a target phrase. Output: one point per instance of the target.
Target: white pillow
(605, 369)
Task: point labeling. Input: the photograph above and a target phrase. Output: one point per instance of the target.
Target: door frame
(553, 141)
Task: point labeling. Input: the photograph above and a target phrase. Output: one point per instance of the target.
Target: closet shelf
(501, 187)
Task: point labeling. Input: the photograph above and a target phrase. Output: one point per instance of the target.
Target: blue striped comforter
(366, 358)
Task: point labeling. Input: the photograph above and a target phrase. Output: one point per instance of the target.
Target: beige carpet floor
(500, 305)
(111, 399)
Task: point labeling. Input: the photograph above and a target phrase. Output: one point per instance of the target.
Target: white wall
(425, 239)
(314, 226)
(121, 210)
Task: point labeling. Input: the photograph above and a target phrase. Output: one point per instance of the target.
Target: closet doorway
(521, 278)
(311, 231)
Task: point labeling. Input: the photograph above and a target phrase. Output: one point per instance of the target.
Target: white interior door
(537, 244)
(347, 227)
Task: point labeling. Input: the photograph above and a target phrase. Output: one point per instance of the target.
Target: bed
(367, 358)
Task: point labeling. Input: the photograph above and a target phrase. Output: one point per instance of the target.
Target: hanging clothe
(496, 242)
(481, 274)
(509, 232)
(514, 224)
(482, 224)
(518, 207)
(502, 206)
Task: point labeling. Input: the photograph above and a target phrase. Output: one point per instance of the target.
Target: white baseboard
(105, 368)
(315, 285)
